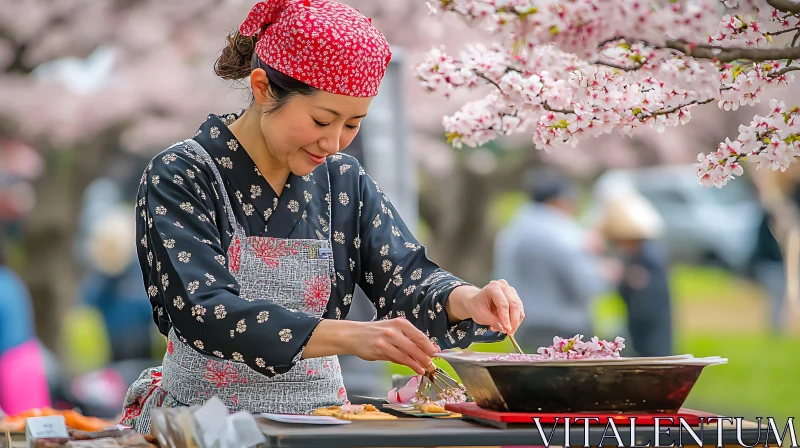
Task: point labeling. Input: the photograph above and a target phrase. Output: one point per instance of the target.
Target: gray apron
(273, 269)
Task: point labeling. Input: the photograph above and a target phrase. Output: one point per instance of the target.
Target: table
(429, 432)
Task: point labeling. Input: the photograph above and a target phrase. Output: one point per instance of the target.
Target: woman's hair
(238, 60)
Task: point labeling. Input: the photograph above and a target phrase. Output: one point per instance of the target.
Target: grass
(760, 378)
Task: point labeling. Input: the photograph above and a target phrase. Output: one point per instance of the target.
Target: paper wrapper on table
(406, 393)
(208, 426)
(46, 431)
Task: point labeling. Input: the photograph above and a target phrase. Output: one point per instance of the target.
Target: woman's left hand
(497, 305)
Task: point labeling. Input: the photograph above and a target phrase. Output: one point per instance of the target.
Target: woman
(254, 234)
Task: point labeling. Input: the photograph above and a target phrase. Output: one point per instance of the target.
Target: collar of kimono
(251, 191)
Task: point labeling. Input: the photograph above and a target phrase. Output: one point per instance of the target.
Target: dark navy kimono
(183, 238)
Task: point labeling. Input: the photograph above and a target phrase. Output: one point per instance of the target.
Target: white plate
(305, 419)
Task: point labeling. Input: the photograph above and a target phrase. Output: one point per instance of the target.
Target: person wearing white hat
(634, 227)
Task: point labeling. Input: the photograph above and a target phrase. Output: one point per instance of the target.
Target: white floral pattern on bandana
(322, 43)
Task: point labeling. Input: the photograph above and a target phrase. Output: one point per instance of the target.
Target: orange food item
(73, 419)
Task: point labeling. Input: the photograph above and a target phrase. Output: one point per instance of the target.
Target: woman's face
(308, 129)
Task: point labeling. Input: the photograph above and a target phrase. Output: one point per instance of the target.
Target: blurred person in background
(113, 284)
(23, 381)
(633, 226)
(547, 256)
(769, 270)
(779, 194)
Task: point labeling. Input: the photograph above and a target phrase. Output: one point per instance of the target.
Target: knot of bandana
(263, 14)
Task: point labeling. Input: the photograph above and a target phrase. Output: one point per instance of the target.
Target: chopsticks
(516, 346)
(513, 341)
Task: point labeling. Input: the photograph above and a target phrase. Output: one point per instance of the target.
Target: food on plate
(103, 439)
(569, 349)
(50, 443)
(73, 419)
(327, 412)
(95, 443)
(124, 437)
(354, 412)
(362, 412)
(366, 416)
(432, 408)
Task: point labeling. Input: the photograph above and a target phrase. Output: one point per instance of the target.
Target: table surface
(431, 432)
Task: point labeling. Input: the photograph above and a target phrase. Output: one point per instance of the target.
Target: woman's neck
(247, 129)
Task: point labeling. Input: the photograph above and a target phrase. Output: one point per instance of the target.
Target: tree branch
(731, 54)
(785, 6)
(561, 111)
(621, 67)
(777, 33)
(784, 71)
(677, 108)
(489, 80)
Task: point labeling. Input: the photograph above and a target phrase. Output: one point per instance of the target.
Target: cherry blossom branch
(778, 33)
(621, 67)
(732, 54)
(560, 111)
(573, 83)
(487, 79)
(677, 108)
(784, 71)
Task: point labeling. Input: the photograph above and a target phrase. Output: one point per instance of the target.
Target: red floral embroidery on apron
(134, 408)
(222, 375)
(317, 293)
(234, 255)
(170, 348)
(270, 250)
(342, 395)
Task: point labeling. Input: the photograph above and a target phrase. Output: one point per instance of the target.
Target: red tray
(472, 410)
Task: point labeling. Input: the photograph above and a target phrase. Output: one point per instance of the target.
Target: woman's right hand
(396, 340)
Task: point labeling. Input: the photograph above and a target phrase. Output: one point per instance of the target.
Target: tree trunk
(51, 273)
(457, 209)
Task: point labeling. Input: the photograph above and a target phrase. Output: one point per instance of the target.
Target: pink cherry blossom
(572, 348)
(568, 71)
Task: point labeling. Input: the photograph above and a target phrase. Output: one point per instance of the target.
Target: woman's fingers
(402, 343)
(417, 337)
(416, 353)
(501, 306)
(397, 356)
(516, 309)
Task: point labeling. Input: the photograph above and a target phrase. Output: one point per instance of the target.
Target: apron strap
(192, 145)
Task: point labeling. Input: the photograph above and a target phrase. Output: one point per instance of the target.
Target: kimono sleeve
(184, 263)
(401, 280)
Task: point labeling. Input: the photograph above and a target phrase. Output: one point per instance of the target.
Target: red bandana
(322, 43)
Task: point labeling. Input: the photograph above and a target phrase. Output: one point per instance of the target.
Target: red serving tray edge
(470, 409)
